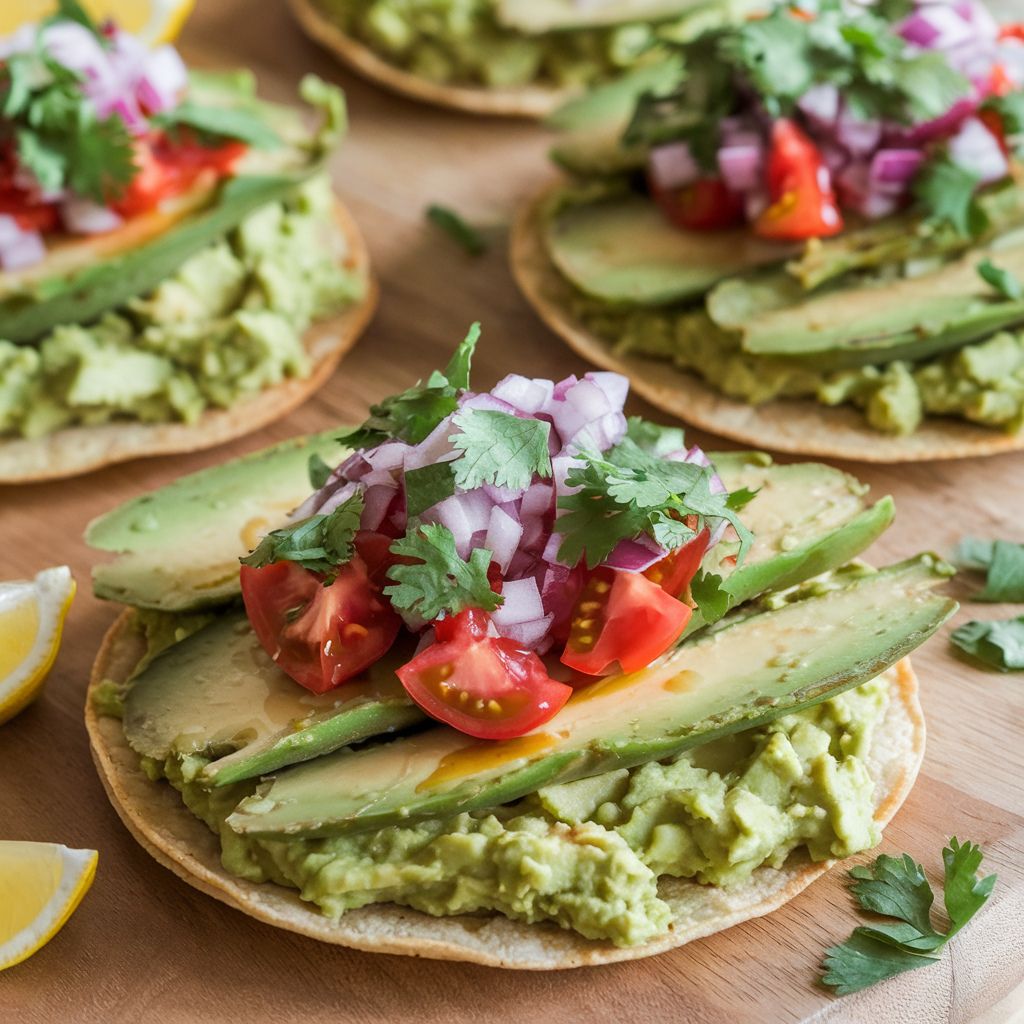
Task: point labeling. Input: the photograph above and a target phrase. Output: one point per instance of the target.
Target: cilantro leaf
(499, 448)
(628, 491)
(457, 229)
(654, 437)
(862, 961)
(1003, 562)
(426, 486)
(948, 193)
(710, 596)
(72, 10)
(998, 643)
(320, 543)
(413, 414)
(441, 581)
(897, 887)
(319, 471)
(216, 123)
(1004, 281)
(964, 894)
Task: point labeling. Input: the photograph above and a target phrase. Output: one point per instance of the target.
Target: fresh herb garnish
(319, 471)
(499, 448)
(627, 491)
(457, 229)
(320, 543)
(56, 133)
(214, 124)
(948, 193)
(72, 10)
(998, 643)
(1003, 563)
(413, 414)
(898, 888)
(780, 57)
(1004, 281)
(1009, 109)
(426, 486)
(441, 581)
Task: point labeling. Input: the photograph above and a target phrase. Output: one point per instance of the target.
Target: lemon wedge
(155, 21)
(40, 886)
(32, 614)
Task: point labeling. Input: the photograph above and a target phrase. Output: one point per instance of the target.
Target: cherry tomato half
(803, 202)
(484, 686)
(706, 205)
(622, 617)
(675, 571)
(321, 636)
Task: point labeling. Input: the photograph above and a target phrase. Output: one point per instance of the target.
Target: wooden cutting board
(144, 946)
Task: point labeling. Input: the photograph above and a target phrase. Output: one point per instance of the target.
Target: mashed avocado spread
(982, 382)
(463, 41)
(227, 325)
(588, 854)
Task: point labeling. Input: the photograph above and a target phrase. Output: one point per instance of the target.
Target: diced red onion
(377, 500)
(537, 500)
(635, 555)
(673, 165)
(602, 434)
(164, 78)
(527, 394)
(531, 634)
(614, 385)
(521, 603)
(501, 495)
(341, 495)
(464, 514)
(433, 448)
(560, 468)
(820, 105)
(894, 169)
(486, 402)
(977, 150)
(937, 128)
(857, 136)
(550, 554)
(19, 248)
(84, 217)
(740, 166)
(561, 388)
(388, 457)
(503, 536)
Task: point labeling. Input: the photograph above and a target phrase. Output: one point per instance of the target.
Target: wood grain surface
(144, 946)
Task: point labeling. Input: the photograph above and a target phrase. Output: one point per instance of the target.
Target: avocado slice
(592, 125)
(621, 249)
(905, 237)
(83, 279)
(873, 321)
(179, 546)
(728, 679)
(219, 693)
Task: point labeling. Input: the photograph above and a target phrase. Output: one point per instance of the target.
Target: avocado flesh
(535, 17)
(84, 278)
(728, 679)
(623, 251)
(179, 546)
(872, 322)
(219, 693)
(592, 125)
(904, 237)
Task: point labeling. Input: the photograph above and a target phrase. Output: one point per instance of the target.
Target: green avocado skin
(83, 296)
(255, 720)
(828, 644)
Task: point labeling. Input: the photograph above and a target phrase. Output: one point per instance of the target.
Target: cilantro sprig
(440, 581)
(457, 228)
(1004, 281)
(897, 888)
(499, 448)
(213, 124)
(1002, 562)
(628, 491)
(320, 543)
(998, 643)
(413, 414)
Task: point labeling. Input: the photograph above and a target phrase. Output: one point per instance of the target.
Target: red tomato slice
(1012, 31)
(675, 571)
(622, 617)
(484, 686)
(706, 205)
(166, 168)
(321, 636)
(800, 187)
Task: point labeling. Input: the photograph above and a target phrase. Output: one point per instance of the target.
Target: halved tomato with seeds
(622, 617)
(485, 686)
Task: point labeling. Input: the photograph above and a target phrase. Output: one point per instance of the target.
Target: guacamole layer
(463, 42)
(588, 854)
(982, 382)
(227, 325)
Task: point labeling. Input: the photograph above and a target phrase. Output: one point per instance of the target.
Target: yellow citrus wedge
(40, 886)
(32, 614)
(155, 21)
